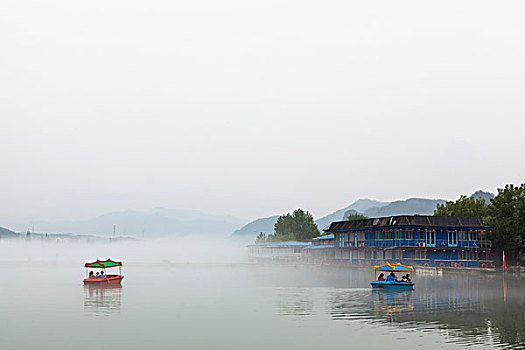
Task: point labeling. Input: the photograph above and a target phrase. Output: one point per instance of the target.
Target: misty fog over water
(188, 249)
(195, 294)
(169, 134)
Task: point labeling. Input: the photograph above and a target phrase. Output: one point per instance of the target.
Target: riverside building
(409, 239)
(276, 251)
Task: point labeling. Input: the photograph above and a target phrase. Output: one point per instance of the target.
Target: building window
(420, 254)
(430, 237)
(380, 235)
(472, 235)
(398, 234)
(462, 255)
(452, 238)
(388, 234)
(409, 234)
(463, 236)
(361, 236)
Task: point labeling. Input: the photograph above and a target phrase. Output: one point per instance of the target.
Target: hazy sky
(255, 108)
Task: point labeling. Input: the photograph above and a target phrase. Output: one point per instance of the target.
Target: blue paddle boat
(393, 284)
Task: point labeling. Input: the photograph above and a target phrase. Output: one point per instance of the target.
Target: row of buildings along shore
(434, 241)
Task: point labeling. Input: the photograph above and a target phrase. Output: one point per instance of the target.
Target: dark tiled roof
(409, 220)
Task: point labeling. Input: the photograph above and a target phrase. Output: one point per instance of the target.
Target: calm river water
(242, 306)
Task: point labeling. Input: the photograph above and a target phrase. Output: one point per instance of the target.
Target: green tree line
(505, 214)
(297, 226)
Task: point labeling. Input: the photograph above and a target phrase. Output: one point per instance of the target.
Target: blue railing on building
(414, 243)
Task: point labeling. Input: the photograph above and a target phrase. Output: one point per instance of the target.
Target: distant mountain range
(359, 206)
(266, 225)
(255, 227)
(368, 207)
(162, 222)
(156, 222)
(5, 233)
(486, 196)
(409, 206)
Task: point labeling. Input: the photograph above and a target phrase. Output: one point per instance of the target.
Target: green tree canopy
(261, 238)
(507, 218)
(464, 206)
(297, 226)
(505, 214)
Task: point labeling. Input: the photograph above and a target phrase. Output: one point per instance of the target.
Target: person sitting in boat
(408, 277)
(97, 275)
(392, 277)
(91, 274)
(381, 277)
(101, 274)
(404, 279)
(389, 278)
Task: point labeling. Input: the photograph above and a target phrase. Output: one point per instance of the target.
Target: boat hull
(392, 285)
(99, 281)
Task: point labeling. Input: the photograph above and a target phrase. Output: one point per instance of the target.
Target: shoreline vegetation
(504, 213)
(6, 234)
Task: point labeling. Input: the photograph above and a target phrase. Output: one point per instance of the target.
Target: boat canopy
(393, 267)
(103, 264)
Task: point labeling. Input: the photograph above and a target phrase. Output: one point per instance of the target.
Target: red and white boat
(103, 279)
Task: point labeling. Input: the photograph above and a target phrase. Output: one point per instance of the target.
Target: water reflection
(102, 300)
(467, 310)
(470, 313)
(390, 302)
